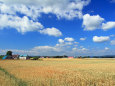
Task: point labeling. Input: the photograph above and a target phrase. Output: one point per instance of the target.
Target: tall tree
(9, 53)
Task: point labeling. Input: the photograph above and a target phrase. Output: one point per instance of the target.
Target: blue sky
(58, 27)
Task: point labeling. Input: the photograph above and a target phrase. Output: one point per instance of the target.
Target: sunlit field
(58, 72)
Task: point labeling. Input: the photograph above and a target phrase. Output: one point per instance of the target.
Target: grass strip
(19, 82)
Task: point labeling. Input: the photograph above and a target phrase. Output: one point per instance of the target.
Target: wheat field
(58, 72)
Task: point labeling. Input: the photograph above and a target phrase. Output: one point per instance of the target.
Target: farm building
(23, 57)
(70, 57)
(41, 57)
(11, 57)
(15, 56)
(7, 57)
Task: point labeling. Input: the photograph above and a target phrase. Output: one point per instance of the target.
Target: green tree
(1, 56)
(9, 53)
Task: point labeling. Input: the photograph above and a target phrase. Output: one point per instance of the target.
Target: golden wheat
(62, 72)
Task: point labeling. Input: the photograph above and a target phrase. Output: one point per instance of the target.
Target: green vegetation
(1, 56)
(34, 58)
(9, 53)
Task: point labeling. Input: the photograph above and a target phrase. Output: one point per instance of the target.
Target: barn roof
(15, 56)
(23, 55)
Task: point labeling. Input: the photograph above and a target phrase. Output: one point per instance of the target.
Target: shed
(7, 57)
(15, 56)
(23, 57)
(41, 57)
(70, 57)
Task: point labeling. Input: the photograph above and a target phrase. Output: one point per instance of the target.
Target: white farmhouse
(23, 57)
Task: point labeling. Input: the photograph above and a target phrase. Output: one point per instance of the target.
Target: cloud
(68, 9)
(81, 46)
(94, 22)
(59, 49)
(21, 9)
(108, 25)
(84, 49)
(76, 42)
(112, 35)
(54, 51)
(74, 49)
(6, 9)
(31, 11)
(51, 32)
(91, 23)
(79, 51)
(22, 25)
(113, 42)
(69, 39)
(106, 48)
(101, 39)
(82, 39)
(61, 41)
(62, 49)
(50, 50)
(68, 43)
(45, 48)
(16, 51)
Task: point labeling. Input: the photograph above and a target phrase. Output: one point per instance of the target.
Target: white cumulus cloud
(31, 10)
(69, 39)
(101, 38)
(91, 23)
(82, 39)
(106, 48)
(94, 22)
(61, 41)
(61, 8)
(22, 25)
(51, 31)
(43, 48)
(108, 25)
